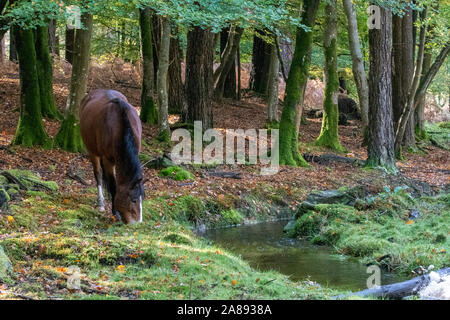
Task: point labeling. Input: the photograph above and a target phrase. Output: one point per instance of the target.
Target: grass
(379, 230)
(45, 235)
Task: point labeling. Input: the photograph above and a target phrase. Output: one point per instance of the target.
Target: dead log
(226, 174)
(76, 177)
(328, 158)
(398, 290)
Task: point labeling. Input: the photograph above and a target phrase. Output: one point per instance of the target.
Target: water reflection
(265, 247)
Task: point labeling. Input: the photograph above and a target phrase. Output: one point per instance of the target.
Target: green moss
(176, 173)
(232, 216)
(381, 227)
(69, 135)
(32, 181)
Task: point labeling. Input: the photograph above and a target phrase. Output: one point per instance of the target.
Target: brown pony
(111, 131)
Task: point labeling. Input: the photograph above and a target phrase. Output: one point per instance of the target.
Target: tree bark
(272, 105)
(163, 99)
(229, 61)
(229, 90)
(45, 74)
(329, 133)
(199, 76)
(357, 59)
(404, 122)
(53, 39)
(12, 45)
(380, 149)
(69, 137)
(70, 39)
(295, 87)
(2, 47)
(398, 290)
(30, 129)
(177, 99)
(149, 113)
(260, 58)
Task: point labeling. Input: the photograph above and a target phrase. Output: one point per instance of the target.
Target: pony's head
(128, 201)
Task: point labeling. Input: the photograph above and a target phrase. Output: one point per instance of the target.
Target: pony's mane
(129, 164)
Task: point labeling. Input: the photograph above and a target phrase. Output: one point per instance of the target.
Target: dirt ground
(431, 167)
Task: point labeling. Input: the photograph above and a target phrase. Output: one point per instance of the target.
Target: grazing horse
(111, 131)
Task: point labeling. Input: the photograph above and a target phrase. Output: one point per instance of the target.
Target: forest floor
(46, 233)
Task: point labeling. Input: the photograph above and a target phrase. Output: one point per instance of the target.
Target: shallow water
(266, 247)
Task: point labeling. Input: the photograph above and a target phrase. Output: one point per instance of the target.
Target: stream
(265, 247)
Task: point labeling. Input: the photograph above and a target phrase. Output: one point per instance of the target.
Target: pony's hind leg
(108, 173)
(99, 179)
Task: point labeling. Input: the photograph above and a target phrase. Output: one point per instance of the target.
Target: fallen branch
(14, 180)
(76, 177)
(398, 290)
(328, 158)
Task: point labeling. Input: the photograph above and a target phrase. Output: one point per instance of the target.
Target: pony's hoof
(117, 215)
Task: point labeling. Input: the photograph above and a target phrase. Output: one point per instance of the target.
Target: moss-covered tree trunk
(297, 79)
(149, 113)
(30, 129)
(45, 74)
(69, 137)
(329, 133)
(163, 69)
(380, 149)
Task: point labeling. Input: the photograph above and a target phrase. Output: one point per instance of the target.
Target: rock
(414, 214)
(289, 227)
(328, 197)
(6, 268)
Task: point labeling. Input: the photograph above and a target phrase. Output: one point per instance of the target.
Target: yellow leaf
(120, 268)
(234, 282)
(410, 222)
(10, 219)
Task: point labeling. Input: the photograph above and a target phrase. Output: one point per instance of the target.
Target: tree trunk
(53, 38)
(272, 105)
(295, 87)
(229, 90)
(419, 116)
(380, 149)
(68, 137)
(12, 45)
(404, 122)
(2, 48)
(402, 73)
(163, 99)
(260, 58)
(45, 74)
(30, 129)
(329, 133)
(358, 65)
(199, 76)
(398, 290)
(70, 39)
(176, 86)
(229, 62)
(149, 113)
(156, 42)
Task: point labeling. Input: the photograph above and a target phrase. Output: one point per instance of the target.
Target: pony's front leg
(101, 199)
(99, 179)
